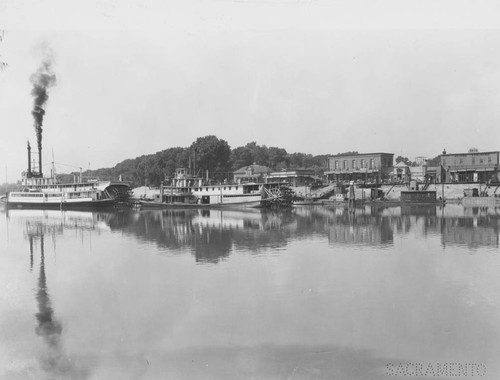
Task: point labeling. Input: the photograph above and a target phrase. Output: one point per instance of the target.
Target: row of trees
(210, 154)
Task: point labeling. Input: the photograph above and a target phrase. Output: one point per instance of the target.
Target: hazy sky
(321, 77)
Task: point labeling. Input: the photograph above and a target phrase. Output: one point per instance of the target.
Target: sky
(312, 76)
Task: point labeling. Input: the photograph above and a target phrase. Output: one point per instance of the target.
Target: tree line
(207, 153)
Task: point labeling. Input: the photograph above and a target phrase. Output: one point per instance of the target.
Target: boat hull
(247, 204)
(480, 201)
(93, 204)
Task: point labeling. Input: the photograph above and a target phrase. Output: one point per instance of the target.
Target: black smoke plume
(43, 79)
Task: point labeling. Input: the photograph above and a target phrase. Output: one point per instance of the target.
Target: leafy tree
(212, 154)
(206, 153)
(240, 157)
(296, 160)
(436, 161)
(405, 160)
(277, 157)
(259, 153)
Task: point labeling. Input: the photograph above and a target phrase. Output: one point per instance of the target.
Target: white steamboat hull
(51, 201)
(64, 205)
(227, 201)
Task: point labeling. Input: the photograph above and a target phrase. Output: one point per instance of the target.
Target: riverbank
(453, 192)
(448, 191)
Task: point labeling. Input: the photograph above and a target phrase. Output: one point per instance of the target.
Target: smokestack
(38, 113)
(40, 161)
(29, 159)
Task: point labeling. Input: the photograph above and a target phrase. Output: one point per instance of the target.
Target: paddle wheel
(277, 196)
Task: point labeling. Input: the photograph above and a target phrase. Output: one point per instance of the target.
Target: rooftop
(469, 153)
(358, 154)
(256, 169)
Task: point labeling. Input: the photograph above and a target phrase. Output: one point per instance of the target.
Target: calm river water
(311, 293)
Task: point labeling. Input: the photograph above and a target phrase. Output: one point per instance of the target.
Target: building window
(354, 164)
(489, 158)
(362, 163)
(336, 164)
(473, 160)
(461, 160)
(372, 163)
(345, 164)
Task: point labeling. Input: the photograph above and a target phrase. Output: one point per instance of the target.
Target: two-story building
(471, 167)
(251, 173)
(401, 173)
(360, 167)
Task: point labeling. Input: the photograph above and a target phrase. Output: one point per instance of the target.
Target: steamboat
(39, 192)
(188, 190)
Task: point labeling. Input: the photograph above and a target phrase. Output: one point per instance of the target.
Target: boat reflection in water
(477, 227)
(53, 360)
(211, 235)
(40, 222)
(219, 293)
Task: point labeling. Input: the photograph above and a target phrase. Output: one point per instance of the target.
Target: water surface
(310, 293)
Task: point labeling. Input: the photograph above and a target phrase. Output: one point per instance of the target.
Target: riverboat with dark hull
(186, 190)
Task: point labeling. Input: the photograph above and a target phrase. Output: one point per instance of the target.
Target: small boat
(305, 201)
(339, 199)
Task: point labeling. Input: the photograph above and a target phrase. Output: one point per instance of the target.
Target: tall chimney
(29, 159)
(40, 160)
